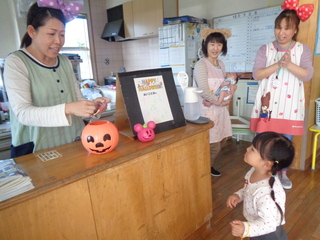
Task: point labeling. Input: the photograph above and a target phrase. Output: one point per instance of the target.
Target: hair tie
(70, 9)
(276, 162)
(273, 175)
(303, 12)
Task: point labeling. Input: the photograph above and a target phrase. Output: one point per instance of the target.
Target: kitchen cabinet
(155, 190)
(147, 16)
(142, 18)
(128, 19)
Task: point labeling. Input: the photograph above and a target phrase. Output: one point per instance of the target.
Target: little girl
(263, 195)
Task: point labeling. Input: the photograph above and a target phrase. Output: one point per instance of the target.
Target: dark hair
(292, 20)
(214, 37)
(278, 149)
(37, 17)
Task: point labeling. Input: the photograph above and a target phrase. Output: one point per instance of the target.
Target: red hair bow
(303, 12)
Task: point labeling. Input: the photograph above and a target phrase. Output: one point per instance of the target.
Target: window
(77, 42)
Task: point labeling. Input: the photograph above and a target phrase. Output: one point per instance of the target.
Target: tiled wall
(141, 54)
(102, 48)
(133, 55)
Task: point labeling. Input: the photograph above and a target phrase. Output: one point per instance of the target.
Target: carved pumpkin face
(100, 137)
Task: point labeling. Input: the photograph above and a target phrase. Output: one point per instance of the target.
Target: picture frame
(147, 95)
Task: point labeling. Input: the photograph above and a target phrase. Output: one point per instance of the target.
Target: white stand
(240, 126)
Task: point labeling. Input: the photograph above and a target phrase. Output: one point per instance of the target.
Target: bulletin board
(150, 95)
(250, 30)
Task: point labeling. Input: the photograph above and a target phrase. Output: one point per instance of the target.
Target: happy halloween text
(149, 84)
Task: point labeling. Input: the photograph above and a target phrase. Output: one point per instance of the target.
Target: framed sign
(150, 95)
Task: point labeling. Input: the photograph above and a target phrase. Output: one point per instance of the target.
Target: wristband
(247, 233)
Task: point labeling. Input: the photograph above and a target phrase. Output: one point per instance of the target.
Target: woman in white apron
(281, 67)
(209, 73)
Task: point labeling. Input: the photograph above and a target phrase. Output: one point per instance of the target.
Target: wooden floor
(302, 206)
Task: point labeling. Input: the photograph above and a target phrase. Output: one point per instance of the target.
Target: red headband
(303, 12)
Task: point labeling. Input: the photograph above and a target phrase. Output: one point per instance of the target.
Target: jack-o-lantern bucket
(100, 137)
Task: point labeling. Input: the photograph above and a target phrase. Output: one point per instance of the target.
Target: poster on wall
(250, 30)
(153, 99)
(151, 95)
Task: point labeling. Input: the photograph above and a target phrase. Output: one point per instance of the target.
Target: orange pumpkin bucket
(100, 137)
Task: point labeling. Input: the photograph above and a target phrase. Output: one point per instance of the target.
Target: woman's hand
(100, 101)
(286, 59)
(86, 108)
(296, 70)
(83, 108)
(223, 104)
(206, 103)
(237, 228)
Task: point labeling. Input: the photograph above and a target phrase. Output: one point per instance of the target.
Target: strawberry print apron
(279, 104)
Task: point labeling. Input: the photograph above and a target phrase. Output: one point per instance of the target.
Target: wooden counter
(155, 190)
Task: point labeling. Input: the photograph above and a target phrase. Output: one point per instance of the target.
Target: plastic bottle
(191, 108)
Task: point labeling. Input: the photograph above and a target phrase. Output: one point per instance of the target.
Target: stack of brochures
(13, 180)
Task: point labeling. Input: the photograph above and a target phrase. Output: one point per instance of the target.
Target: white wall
(211, 8)
(216, 8)
(13, 27)
(9, 28)
(142, 54)
(113, 3)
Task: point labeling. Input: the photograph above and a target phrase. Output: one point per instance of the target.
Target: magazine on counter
(13, 180)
